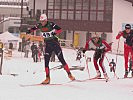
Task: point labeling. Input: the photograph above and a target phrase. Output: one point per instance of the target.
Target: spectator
(27, 48)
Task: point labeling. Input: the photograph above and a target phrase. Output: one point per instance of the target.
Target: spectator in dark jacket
(34, 50)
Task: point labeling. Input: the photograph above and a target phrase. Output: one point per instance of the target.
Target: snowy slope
(10, 89)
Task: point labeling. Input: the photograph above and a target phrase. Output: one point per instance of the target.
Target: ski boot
(126, 74)
(132, 73)
(72, 78)
(46, 81)
(98, 75)
(69, 73)
(106, 76)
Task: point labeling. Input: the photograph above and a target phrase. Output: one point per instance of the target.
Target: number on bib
(47, 35)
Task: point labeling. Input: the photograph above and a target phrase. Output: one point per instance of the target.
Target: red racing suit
(101, 47)
(128, 45)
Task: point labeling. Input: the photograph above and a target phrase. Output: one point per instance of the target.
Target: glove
(91, 49)
(100, 51)
(84, 50)
(28, 32)
(53, 33)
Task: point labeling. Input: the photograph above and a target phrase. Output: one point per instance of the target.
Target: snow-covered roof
(13, 3)
(12, 18)
(14, 0)
(11, 6)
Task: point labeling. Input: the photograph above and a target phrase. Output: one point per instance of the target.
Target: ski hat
(43, 17)
(127, 26)
(96, 35)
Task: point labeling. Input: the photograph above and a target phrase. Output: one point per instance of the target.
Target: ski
(96, 78)
(52, 84)
(126, 78)
(40, 84)
(77, 68)
(71, 68)
(99, 78)
(58, 84)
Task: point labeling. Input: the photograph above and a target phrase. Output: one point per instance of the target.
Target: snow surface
(33, 73)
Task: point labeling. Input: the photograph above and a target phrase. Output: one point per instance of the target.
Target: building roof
(14, 0)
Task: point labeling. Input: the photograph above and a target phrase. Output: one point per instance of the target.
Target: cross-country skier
(79, 54)
(127, 34)
(112, 65)
(100, 47)
(49, 31)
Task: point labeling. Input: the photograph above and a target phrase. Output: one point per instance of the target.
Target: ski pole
(107, 58)
(117, 50)
(117, 56)
(86, 59)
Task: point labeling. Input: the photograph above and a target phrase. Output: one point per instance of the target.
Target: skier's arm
(33, 28)
(58, 30)
(119, 35)
(87, 44)
(108, 47)
(110, 63)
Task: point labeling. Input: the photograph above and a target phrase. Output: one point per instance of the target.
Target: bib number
(48, 34)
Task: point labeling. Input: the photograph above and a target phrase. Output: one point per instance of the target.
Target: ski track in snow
(10, 89)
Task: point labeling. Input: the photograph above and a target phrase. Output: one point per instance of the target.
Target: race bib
(48, 34)
(100, 47)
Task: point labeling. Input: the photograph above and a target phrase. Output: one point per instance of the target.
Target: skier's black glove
(84, 50)
(102, 51)
(91, 49)
(53, 33)
(28, 32)
(99, 51)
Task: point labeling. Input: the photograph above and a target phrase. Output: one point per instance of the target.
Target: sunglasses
(43, 21)
(128, 28)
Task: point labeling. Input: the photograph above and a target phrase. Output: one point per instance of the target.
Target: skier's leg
(95, 64)
(48, 53)
(59, 54)
(132, 61)
(103, 68)
(36, 57)
(96, 67)
(26, 53)
(113, 68)
(101, 64)
(126, 54)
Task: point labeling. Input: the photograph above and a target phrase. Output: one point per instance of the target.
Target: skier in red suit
(127, 34)
(101, 47)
